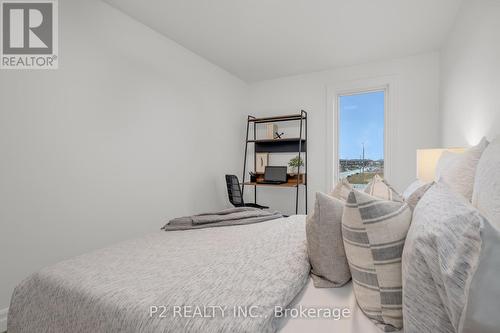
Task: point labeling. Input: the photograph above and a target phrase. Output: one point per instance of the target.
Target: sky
(362, 121)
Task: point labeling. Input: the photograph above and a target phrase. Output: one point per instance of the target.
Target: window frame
(388, 86)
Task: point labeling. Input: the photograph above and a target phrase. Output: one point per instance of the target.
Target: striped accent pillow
(374, 232)
(380, 188)
(341, 190)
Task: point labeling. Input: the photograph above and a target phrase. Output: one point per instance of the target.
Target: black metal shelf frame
(288, 145)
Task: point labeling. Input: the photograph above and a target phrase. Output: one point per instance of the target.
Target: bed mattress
(219, 279)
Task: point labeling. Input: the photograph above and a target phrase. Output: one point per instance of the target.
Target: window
(361, 119)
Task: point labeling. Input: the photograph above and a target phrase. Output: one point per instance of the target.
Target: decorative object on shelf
(295, 163)
(272, 129)
(261, 161)
(278, 135)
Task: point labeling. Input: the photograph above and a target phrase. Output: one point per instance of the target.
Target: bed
(218, 279)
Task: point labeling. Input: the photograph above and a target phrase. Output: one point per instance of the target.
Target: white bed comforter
(182, 275)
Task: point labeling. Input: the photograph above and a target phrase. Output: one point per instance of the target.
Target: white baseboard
(3, 319)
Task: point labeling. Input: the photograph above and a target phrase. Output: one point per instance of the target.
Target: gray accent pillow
(324, 243)
(416, 195)
(412, 188)
(374, 232)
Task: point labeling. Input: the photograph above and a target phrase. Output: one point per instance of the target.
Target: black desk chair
(234, 193)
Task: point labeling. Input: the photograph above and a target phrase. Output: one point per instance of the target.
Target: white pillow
(486, 196)
(458, 170)
(445, 161)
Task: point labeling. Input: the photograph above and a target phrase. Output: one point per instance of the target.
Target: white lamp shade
(427, 160)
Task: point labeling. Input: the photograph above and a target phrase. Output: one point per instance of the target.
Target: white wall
(130, 131)
(470, 87)
(416, 115)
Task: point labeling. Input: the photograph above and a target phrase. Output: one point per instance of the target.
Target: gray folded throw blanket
(226, 217)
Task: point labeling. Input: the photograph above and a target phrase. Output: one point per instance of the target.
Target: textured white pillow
(486, 197)
(458, 170)
(440, 257)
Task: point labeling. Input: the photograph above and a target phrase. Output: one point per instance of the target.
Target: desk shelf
(296, 145)
(288, 145)
(287, 185)
(276, 119)
(292, 181)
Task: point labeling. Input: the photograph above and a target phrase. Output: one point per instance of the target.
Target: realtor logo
(29, 34)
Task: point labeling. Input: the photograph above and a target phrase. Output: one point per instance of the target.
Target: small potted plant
(295, 163)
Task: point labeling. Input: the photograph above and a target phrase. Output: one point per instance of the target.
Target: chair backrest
(234, 191)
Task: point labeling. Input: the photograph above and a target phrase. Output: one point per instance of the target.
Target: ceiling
(265, 39)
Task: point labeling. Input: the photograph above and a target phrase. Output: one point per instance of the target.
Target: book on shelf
(271, 131)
